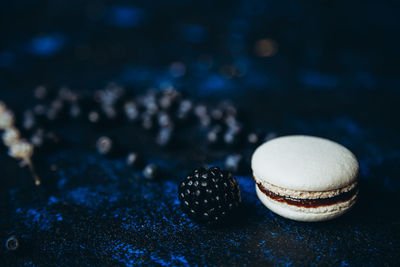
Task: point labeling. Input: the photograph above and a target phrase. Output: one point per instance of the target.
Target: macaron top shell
(304, 163)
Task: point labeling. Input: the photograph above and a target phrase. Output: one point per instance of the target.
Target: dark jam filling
(309, 203)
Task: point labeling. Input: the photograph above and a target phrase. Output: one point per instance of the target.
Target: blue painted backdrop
(321, 68)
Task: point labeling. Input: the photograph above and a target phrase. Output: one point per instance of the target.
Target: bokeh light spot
(194, 33)
(126, 16)
(177, 69)
(266, 48)
(46, 45)
(6, 59)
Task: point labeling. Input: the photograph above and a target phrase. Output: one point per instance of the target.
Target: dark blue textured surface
(334, 74)
(101, 212)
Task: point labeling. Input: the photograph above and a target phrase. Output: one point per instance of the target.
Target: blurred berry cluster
(162, 114)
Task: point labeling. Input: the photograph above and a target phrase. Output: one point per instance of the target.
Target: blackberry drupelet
(209, 196)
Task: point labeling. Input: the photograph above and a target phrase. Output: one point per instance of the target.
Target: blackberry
(209, 196)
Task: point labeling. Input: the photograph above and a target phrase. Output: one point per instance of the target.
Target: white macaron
(305, 178)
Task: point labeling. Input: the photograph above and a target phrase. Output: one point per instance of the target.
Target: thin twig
(33, 172)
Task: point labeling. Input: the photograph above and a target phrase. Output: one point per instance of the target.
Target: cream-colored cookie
(305, 178)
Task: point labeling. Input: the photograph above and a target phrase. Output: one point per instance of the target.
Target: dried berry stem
(33, 172)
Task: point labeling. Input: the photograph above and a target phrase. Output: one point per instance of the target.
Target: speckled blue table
(332, 74)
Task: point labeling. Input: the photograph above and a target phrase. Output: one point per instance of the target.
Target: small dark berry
(29, 120)
(233, 162)
(150, 103)
(131, 111)
(232, 134)
(253, 138)
(168, 98)
(213, 136)
(229, 137)
(66, 94)
(75, 111)
(110, 95)
(231, 122)
(165, 102)
(40, 92)
(209, 196)
(131, 159)
(147, 121)
(104, 145)
(200, 111)
(52, 114)
(109, 111)
(94, 117)
(37, 138)
(230, 110)
(164, 136)
(164, 119)
(217, 114)
(150, 171)
(12, 243)
(57, 105)
(134, 160)
(205, 121)
(39, 110)
(184, 108)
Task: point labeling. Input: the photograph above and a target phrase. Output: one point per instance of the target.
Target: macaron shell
(286, 211)
(305, 163)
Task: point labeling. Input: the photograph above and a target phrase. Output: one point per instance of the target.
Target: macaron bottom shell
(289, 212)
